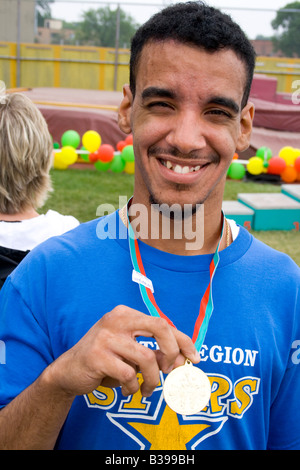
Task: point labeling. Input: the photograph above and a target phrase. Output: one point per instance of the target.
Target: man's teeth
(180, 169)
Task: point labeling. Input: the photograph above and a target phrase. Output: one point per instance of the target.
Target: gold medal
(187, 389)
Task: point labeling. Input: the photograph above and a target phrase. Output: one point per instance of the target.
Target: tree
(43, 11)
(287, 23)
(98, 28)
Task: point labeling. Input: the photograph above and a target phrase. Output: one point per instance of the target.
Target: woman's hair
(26, 151)
(197, 24)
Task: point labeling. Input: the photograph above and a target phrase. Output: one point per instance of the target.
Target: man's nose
(187, 133)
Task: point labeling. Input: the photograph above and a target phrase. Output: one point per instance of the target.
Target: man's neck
(197, 234)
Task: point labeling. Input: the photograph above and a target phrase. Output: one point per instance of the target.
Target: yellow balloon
(288, 154)
(297, 152)
(91, 140)
(129, 168)
(58, 163)
(68, 155)
(255, 166)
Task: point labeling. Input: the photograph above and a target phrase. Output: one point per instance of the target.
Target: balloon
(288, 154)
(94, 157)
(265, 153)
(117, 165)
(298, 176)
(129, 140)
(56, 145)
(58, 162)
(296, 153)
(289, 175)
(101, 166)
(297, 164)
(70, 138)
(128, 154)
(84, 156)
(276, 165)
(235, 156)
(91, 141)
(255, 166)
(68, 155)
(236, 171)
(121, 145)
(129, 168)
(106, 153)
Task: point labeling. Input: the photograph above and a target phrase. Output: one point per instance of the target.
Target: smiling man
(187, 117)
(130, 344)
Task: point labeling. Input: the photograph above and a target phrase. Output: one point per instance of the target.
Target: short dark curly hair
(198, 24)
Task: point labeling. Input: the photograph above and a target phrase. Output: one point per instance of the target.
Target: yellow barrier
(75, 105)
(95, 68)
(43, 65)
(285, 69)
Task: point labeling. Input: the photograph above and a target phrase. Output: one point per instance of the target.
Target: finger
(179, 361)
(142, 359)
(129, 322)
(174, 347)
(122, 374)
(187, 347)
(166, 340)
(113, 383)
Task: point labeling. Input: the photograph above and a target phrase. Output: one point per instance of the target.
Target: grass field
(79, 193)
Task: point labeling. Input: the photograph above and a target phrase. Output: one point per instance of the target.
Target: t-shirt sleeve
(285, 414)
(284, 431)
(26, 348)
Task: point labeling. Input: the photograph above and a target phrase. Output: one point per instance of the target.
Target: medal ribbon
(206, 304)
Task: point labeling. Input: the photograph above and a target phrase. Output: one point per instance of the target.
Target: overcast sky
(253, 21)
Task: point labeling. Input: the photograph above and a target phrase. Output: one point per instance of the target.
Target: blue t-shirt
(251, 352)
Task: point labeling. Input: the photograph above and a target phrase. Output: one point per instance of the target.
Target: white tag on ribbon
(143, 280)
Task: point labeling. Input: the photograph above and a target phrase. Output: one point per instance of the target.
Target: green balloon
(84, 156)
(70, 138)
(236, 171)
(264, 153)
(56, 145)
(117, 164)
(102, 166)
(128, 154)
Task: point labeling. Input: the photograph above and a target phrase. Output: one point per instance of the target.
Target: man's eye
(219, 112)
(161, 104)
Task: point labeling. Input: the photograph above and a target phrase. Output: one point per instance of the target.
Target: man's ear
(124, 115)
(246, 124)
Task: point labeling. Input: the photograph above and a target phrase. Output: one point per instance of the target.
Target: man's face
(186, 121)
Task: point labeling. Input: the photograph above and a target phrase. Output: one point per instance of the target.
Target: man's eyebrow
(156, 92)
(226, 102)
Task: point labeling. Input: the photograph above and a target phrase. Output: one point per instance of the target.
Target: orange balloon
(121, 145)
(276, 166)
(298, 177)
(106, 153)
(129, 139)
(289, 175)
(94, 157)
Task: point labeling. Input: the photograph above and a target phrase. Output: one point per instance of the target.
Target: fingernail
(197, 356)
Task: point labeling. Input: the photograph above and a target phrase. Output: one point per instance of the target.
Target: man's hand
(109, 354)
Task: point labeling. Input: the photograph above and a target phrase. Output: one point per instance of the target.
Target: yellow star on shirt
(169, 434)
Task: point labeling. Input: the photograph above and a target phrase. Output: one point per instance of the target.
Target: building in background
(265, 47)
(53, 32)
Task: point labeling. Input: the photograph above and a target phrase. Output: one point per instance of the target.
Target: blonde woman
(25, 160)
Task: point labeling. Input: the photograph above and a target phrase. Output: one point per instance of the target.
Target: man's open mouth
(181, 169)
